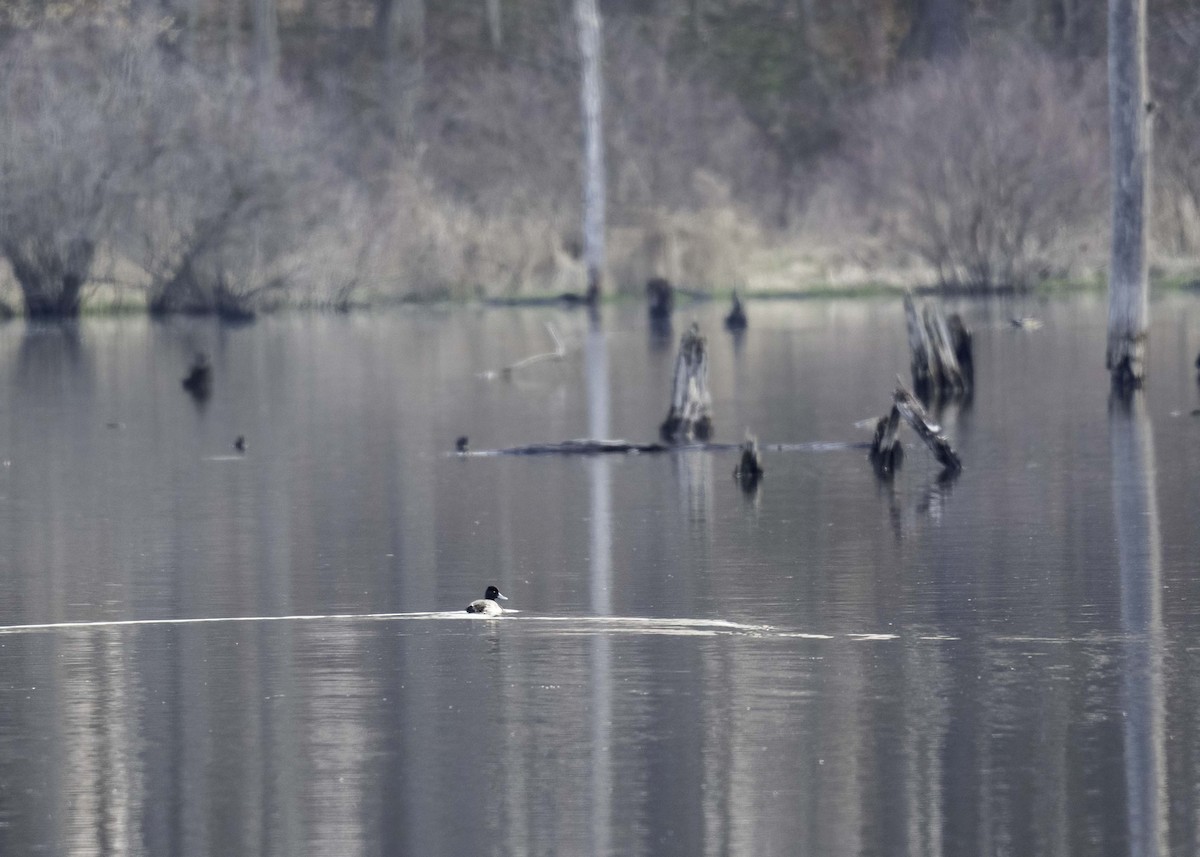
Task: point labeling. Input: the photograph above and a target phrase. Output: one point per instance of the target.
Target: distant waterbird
(488, 605)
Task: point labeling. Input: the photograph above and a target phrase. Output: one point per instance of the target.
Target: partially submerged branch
(886, 453)
(559, 352)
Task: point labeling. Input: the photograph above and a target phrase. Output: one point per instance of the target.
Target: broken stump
(690, 414)
(934, 351)
(885, 450)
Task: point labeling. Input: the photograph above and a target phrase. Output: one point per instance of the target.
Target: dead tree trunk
(587, 19)
(495, 25)
(266, 38)
(690, 417)
(1130, 111)
(935, 346)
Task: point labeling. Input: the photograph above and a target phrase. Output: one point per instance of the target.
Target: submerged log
(596, 446)
(582, 446)
(690, 415)
(736, 320)
(906, 406)
(934, 351)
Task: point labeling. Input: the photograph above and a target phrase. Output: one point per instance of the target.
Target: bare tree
(73, 100)
(982, 167)
(1129, 140)
(221, 215)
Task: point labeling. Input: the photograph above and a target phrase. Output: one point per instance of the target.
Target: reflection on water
(600, 587)
(267, 654)
(1139, 551)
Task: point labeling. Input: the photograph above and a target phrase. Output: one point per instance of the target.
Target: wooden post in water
(1129, 111)
(587, 19)
(690, 416)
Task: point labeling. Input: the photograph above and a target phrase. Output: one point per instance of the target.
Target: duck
(487, 604)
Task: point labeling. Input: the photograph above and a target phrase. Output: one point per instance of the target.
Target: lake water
(206, 652)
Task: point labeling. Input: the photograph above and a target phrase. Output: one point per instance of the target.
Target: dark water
(1002, 665)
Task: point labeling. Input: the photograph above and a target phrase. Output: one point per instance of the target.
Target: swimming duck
(487, 604)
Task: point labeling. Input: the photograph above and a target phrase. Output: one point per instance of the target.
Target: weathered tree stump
(936, 368)
(885, 448)
(690, 416)
(736, 320)
(661, 299)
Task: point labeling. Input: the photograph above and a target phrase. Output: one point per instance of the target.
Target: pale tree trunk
(587, 17)
(495, 24)
(233, 31)
(1129, 143)
(266, 37)
(400, 26)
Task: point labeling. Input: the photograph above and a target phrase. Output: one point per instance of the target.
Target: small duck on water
(487, 605)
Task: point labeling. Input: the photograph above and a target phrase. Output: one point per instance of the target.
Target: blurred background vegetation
(236, 155)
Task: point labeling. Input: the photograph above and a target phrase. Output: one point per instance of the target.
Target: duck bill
(500, 596)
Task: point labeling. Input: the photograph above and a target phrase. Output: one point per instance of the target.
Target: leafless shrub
(986, 166)
(702, 246)
(226, 212)
(504, 145)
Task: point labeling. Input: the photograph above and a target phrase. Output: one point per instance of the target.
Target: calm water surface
(1005, 664)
